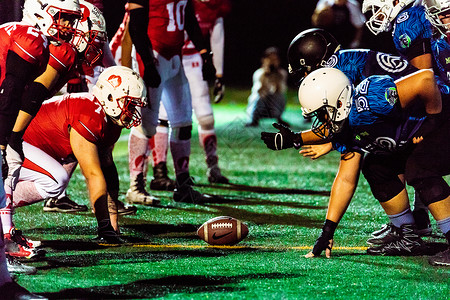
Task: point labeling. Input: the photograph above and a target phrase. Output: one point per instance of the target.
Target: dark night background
(251, 27)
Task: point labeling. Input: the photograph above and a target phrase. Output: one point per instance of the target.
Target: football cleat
(382, 231)
(185, 193)
(161, 180)
(16, 267)
(137, 193)
(18, 237)
(441, 259)
(123, 209)
(17, 250)
(403, 241)
(215, 175)
(64, 205)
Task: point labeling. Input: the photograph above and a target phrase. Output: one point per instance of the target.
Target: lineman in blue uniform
(384, 119)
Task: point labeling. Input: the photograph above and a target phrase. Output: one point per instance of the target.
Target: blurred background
(250, 28)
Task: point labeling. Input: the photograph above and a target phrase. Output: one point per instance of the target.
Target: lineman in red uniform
(94, 123)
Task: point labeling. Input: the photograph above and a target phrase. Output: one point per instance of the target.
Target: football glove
(4, 165)
(219, 90)
(208, 69)
(283, 139)
(325, 240)
(151, 76)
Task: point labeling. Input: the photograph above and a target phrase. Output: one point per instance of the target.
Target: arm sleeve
(193, 29)
(138, 31)
(33, 97)
(18, 73)
(217, 45)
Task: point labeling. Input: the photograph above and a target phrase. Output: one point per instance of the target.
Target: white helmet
(47, 14)
(383, 13)
(120, 91)
(433, 9)
(90, 35)
(326, 94)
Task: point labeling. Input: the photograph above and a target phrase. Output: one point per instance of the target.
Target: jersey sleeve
(87, 118)
(62, 57)
(30, 44)
(375, 98)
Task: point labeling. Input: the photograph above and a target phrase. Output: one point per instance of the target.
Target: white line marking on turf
(243, 247)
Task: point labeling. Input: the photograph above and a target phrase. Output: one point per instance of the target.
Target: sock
(138, 151)
(7, 212)
(405, 217)
(26, 194)
(208, 140)
(444, 225)
(160, 145)
(180, 149)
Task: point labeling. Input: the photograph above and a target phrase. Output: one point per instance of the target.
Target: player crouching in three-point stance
(82, 128)
(402, 126)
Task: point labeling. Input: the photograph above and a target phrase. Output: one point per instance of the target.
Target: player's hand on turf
(316, 151)
(322, 243)
(219, 90)
(208, 69)
(283, 139)
(151, 75)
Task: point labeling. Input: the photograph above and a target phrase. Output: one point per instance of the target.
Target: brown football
(223, 230)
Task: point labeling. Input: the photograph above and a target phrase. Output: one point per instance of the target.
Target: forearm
(344, 186)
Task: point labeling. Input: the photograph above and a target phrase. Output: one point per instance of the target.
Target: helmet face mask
(308, 51)
(55, 19)
(438, 13)
(121, 92)
(381, 13)
(90, 34)
(326, 96)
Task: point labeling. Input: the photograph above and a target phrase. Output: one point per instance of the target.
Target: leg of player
(160, 146)
(138, 149)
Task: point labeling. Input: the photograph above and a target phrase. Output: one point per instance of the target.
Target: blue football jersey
(358, 64)
(411, 30)
(441, 52)
(376, 121)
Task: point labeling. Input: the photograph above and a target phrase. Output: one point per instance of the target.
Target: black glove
(219, 90)
(151, 76)
(4, 165)
(208, 69)
(283, 139)
(325, 240)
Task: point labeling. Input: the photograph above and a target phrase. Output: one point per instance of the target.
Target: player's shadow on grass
(265, 190)
(165, 286)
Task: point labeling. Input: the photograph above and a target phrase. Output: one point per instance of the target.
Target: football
(223, 230)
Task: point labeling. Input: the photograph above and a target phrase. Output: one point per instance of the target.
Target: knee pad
(206, 122)
(431, 190)
(383, 184)
(182, 133)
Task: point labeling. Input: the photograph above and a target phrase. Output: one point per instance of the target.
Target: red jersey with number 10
(166, 26)
(27, 42)
(49, 130)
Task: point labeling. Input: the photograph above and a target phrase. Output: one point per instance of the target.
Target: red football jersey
(63, 58)
(49, 130)
(166, 26)
(208, 11)
(26, 41)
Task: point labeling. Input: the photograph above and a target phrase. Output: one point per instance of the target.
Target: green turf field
(281, 196)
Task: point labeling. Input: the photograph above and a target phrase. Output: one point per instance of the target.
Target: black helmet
(310, 50)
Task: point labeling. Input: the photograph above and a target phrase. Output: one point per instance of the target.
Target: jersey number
(176, 16)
